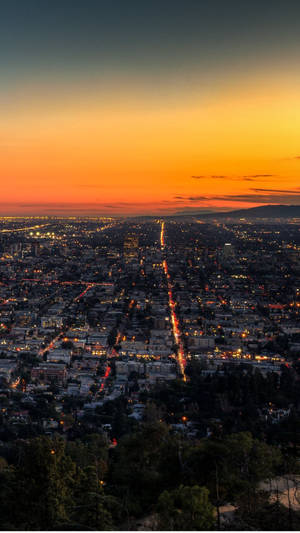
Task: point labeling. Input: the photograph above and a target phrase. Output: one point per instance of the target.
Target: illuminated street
(51, 344)
(106, 374)
(175, 323)
(26, 228)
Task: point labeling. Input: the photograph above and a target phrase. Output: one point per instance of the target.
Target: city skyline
(118, 108)
(149, 265)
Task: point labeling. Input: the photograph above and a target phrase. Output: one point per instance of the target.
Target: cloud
(288, 191)
(262, 198)
(59, 205)
(191, 198)
(254, 176)
(91, 208)
(203, 210)
(251, 177)
(254, 196)
(273, 197)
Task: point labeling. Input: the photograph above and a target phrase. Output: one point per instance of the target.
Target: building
(50, 372)
(228, 250)
(131, 244)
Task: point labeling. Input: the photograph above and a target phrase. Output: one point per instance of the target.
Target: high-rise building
(36, 249)
(131, 244)
(228, 250)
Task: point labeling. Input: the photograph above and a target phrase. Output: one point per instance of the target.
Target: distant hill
(263, 211)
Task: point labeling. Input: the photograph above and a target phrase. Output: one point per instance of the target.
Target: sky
(125, 107)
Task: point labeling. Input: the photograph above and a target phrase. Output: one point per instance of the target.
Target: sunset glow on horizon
(123, 117)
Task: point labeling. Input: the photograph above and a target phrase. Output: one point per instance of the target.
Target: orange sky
(138, 152)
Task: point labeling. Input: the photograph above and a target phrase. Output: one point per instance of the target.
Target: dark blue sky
(90, 35)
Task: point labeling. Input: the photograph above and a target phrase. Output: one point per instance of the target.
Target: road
(49, 282)
(88, 287)
(50, 345)
(175, 323)
(14, 230)
(107, 372)
(162, 236)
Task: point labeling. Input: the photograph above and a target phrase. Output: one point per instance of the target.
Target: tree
(185, 508)
(43, 483)
(7, 507)
(92, 507)
(136, 472)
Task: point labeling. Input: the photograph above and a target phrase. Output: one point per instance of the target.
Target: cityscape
(112, 326)
(149, 265)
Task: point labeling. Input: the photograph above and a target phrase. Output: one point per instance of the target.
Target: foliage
(185, 508)
(81, 484)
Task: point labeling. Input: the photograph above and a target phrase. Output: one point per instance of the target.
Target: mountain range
(263, 211)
